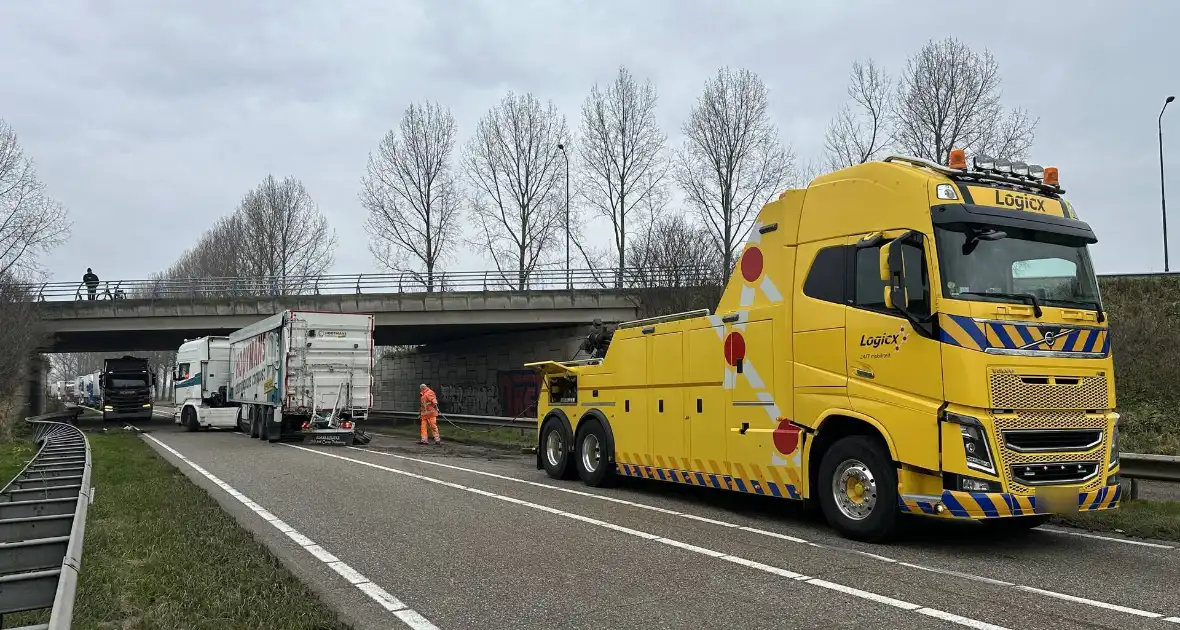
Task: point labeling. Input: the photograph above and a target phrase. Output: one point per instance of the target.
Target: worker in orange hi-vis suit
(429, 411)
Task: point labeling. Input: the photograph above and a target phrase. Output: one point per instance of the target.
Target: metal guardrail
(1150, 467)
(358, 284)
(43, 521)
(485, 421)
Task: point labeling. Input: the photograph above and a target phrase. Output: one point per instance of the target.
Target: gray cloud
(149, 120)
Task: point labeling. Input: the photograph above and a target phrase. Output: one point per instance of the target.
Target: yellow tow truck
(900, 337)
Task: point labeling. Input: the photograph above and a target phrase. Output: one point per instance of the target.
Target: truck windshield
(127, 381)
(974, 261)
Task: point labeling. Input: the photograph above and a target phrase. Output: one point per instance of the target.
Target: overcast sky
(150, 119)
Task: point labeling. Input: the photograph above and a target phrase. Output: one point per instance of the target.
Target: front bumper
(984, 505)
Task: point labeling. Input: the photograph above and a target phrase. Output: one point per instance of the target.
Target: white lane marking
(763, 532)
(354, 577)
(848, 590)
(1125, 541)
(1173, 619)
(1091, 602)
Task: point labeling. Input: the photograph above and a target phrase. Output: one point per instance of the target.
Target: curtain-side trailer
(304, 374)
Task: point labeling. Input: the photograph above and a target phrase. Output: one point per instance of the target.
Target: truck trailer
(201, 385)
(899, 337)
(126, 388)
(303, 374)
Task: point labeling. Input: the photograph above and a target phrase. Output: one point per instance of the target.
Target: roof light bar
(1003, 166)
(984, 162)
(1020, 169)
(1036, 171)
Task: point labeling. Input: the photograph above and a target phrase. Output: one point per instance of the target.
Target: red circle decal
(752, 264)
(786, 437)
(735, 348)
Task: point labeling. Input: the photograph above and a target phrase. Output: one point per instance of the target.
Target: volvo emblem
(1049, 339)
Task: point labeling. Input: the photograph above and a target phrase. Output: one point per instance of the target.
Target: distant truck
(89, 392)
(304, 374)
(201, 385)
(126, 388)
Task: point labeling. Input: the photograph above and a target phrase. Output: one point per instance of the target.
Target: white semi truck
(201, 384)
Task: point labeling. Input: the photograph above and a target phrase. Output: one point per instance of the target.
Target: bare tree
(732, 161)
(861, 131)
(949, 98)
(283, 236)
(20, 335)
(624, 166)
(411, 194)
(31, 223)
(675, 266)
(516, 174)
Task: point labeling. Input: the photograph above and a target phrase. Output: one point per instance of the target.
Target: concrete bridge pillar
(35, 398)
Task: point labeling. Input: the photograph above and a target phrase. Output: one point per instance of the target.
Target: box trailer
(305, 374)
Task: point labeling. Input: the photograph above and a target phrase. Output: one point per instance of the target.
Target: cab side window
(825, 281)
(182, 370)
(869, 292)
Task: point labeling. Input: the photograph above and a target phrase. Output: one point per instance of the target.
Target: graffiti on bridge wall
(518, 392)
(513, 394)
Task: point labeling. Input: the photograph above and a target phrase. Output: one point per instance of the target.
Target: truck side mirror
(892, 270)
(153, 379)
(102, 380)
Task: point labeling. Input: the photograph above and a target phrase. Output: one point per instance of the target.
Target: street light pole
(569, 280)
(1163, 197)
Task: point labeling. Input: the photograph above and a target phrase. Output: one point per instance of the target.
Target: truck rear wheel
(255, 423)
(555, 449)
(273, 428)
(593, 460)
(857, 489)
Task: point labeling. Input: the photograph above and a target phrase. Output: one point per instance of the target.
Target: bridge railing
(442, 282)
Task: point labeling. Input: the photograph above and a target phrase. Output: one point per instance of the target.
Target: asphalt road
(451, 537)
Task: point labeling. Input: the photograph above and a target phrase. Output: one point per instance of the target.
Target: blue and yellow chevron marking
(977, 505)
(965, 332)
(773, 485)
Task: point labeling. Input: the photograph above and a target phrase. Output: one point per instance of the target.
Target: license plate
(329, 439)
(1057, 500)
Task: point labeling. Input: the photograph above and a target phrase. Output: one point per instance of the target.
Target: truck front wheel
(188, 418)
(858, 489)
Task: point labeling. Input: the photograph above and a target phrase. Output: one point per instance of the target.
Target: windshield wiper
(1032, 299)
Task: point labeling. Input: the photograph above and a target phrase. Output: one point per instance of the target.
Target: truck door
(895, 373)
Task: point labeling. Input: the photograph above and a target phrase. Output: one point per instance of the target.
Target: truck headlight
(979, 456)
(108, 408)
(1114, 446)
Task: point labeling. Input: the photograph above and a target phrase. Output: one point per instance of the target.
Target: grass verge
(161, 553)
(13, 457)
(501, 437)
(1139, 518)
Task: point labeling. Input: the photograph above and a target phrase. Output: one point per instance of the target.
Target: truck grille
(1054, 473)
(1028, 391)
(1059, 440)
(1065, 423)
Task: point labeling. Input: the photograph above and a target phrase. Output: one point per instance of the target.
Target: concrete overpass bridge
(141, 315)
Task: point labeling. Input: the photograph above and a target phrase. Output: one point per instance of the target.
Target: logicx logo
(883, 340)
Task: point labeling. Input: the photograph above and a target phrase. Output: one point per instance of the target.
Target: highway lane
(486, 551)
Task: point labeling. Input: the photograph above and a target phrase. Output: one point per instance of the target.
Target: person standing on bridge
(429, 410)
(90, 279)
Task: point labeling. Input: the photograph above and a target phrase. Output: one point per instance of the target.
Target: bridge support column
(35, 398)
